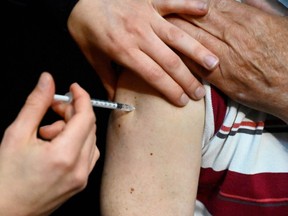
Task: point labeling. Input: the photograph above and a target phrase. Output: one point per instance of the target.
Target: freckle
(131, 190)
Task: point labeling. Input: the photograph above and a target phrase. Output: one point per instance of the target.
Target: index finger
(80, 124)
(213, 43)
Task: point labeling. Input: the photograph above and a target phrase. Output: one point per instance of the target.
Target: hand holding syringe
(97, 103)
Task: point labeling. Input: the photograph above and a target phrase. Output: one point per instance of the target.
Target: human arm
(135, 35)
(38, 174)
(272, 7)
(253, 52)
(153, 154)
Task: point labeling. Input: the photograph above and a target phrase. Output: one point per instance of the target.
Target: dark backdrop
(33, 43)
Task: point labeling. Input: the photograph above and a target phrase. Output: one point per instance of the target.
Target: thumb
(36, 105)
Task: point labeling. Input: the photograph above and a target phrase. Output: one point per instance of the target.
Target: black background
(33, 43)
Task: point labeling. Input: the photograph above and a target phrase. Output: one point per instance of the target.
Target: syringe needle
(125, 107)
(97, 103)
(112, 105)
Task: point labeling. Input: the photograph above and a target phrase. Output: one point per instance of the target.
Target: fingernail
(43, 82)
(200, 92)
(210, 61)
(184, 99)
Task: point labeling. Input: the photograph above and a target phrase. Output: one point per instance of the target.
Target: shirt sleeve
(284, 2)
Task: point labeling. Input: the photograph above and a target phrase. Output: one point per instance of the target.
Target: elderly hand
(135, 35)
(253, 51)
(39, 174)
(270, 6)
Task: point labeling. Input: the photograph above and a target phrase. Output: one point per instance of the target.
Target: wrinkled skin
(270, 6)
(253, 51)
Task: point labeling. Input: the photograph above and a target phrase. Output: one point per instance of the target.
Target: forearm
(153, 154)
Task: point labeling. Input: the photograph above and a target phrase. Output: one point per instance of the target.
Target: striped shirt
(244, 167)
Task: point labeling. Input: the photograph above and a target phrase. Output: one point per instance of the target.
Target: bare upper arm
(153, 154)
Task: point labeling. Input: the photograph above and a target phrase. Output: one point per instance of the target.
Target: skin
(253, 51)
(135, 35)
(153, 154)
(273, 7)
(38, 174)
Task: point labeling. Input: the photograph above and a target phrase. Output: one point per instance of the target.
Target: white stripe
(245, 153)
(200, 209)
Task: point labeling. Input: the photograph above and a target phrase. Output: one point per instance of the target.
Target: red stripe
(226, 208)
(253, 125)
(258, 194)
(267, 200)
(225, 191)
(260, 186)
(219, 105)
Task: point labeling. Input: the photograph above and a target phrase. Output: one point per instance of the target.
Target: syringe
(97, 103)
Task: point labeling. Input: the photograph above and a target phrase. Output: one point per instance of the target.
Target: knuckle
(199, 36)
(177, 93)
(123, 41)
(174, 95)
(80, 181)
(118, 47)
(173, 35)
(33, 98)
(155, 75)
(239, 96)
(32, 101)
(91, 117)
(191, 86)
(116, 43)
(11, 134)
(65, 164)
(135, 30)
(172, 63)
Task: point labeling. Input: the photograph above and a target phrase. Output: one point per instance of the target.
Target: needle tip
(126, 107)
